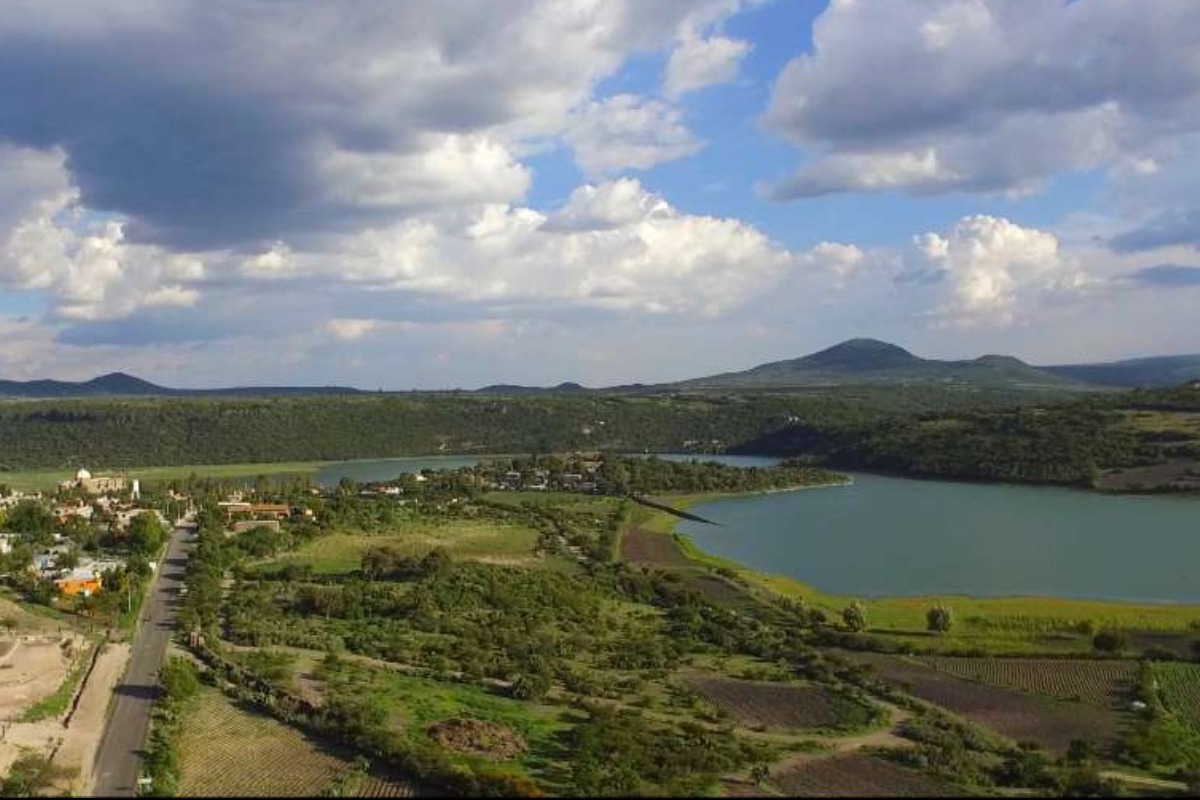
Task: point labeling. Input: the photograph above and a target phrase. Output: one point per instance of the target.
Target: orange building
(84, 586)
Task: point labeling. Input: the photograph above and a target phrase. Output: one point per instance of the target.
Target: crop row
(1096, 682)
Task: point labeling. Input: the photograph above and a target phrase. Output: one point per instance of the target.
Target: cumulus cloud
(628, 132)
(698, 62)
(984, 95)
(86, 267)
(612, 246)
(240, 123)
(988, 271)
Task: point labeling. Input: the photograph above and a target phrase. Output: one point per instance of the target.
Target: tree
(146, 533)
(939, 619)
(1110, 641)
(855, 616)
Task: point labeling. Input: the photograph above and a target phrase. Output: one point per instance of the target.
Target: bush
(1110, 641)
(939, 619)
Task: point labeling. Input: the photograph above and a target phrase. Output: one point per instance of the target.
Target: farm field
(1097, 682)
(490, 541)
(775, 705)
(1048, 723)
(648, 549)
(857, 775)
(228, 752)
(1180, 688)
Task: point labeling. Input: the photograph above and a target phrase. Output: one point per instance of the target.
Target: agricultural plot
(1048, 723)
(655, 550)
(1180, 688)
(774, 705)
(857, 776)
(228, 752)
(1099, 683)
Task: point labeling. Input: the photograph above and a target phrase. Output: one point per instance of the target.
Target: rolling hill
(119, 384)
(1158, 371)
(856, 362)
(869, 361)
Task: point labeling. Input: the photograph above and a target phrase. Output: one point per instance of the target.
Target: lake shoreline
(793, 587)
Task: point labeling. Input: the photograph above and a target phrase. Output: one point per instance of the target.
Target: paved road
(117, 759)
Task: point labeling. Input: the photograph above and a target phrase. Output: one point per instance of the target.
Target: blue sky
(422, 195)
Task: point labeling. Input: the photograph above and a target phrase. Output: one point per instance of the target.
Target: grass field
(415, 704)
(226, 751)
(35, 480)
(492, 541)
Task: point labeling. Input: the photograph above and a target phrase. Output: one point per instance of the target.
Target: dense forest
(1068, 444)
(150, 432)
(924, 432)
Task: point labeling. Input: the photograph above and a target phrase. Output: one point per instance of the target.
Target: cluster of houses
(578, 475)
(109, 502)
(242, 515)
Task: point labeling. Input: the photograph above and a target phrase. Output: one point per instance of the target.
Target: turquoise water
(895, 537)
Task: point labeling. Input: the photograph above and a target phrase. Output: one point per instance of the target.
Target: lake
(896, 537)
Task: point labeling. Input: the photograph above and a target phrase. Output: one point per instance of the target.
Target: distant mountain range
(119, 384)
(853, 362)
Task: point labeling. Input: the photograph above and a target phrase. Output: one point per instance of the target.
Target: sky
(453, 193)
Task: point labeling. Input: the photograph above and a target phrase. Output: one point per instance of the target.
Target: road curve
(116, 767)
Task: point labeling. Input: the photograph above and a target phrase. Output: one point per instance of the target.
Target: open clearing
(33, 669)
(857, 775)
(471, 539)
(1051, 724)
(228, 752)
(775, 705)
(1099, 683)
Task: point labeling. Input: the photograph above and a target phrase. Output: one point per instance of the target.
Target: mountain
(1158, 371)
(119, 384)
(567, 387)
(869, 361)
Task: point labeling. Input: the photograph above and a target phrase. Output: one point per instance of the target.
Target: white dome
(83, 475)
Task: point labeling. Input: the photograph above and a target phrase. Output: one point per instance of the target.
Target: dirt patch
(27, 621)
(857, 776)
(1048, 723)
(732, 788)
(648, 549)
(775, 705)
(478, 737)
(33, 670)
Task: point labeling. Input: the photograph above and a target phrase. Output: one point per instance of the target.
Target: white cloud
(613, 246)
(989, 271)
(698, 62)
(628, 132)
(350, 329)
(445, 170)
(86, 267)
(980, 95)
